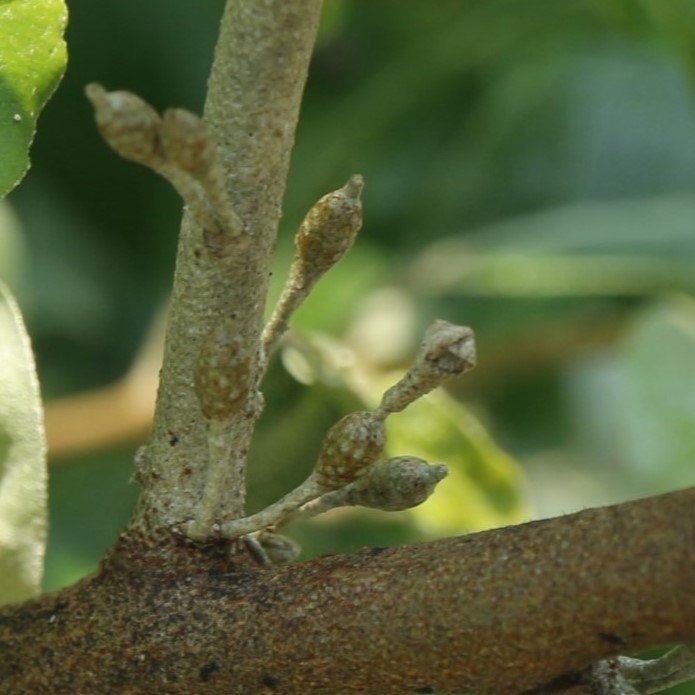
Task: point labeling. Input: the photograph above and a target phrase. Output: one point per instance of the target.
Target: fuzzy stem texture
(252, 108)
(518, 609)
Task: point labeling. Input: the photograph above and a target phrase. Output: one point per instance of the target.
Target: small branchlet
(349, 449)
(179, 147)
(624, 675)
(269, 548)
(274, 514)
(446, 351)
(323, 238)
(393, 485)
(190, 146)
(187, 142)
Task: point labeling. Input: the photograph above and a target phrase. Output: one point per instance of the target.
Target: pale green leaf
(484, 488)
(12, 248)
(657, 401)
(582, 249)
(22, 461)
(32, 61)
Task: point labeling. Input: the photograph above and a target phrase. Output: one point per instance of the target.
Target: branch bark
(505, 611)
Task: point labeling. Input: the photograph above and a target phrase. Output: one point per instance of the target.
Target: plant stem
(254, 95)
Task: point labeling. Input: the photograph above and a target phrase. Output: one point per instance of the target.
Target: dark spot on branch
(173, 439)
(207, 672)
(377, 551)
(216, 242)
(270, 681)
(612, 638)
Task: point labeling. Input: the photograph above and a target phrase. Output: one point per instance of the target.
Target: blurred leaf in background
(634, 405)
(657, 396)
(485, 486)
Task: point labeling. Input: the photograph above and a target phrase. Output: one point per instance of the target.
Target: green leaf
(583, 249)
(12, 248)
(22, 461)
(484, 485)
(656, 413)
(32, 61)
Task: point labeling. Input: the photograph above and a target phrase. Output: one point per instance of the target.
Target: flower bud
(128, 124)
(329, 228)
(223, 372)
(350, 448)
(447, 350)
(398, 483)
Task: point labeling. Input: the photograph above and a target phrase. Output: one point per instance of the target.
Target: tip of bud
(451, 346)
(95, 93)
(353, 188)
(127, 123)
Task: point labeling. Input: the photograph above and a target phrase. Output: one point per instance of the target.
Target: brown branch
(504, 611)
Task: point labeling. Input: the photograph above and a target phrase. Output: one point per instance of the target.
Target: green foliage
(606, 248)
(12, 247)
(484, 486)
(32, 61)
(22, 461)
(658, 413)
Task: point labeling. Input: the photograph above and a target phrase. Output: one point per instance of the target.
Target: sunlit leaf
(22, 461)
(485, 485)
(32, 61)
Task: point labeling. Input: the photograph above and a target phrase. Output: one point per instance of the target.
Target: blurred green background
(530, 172)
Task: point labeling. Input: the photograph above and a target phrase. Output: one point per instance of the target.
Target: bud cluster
(349, 469)
(177, 145)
